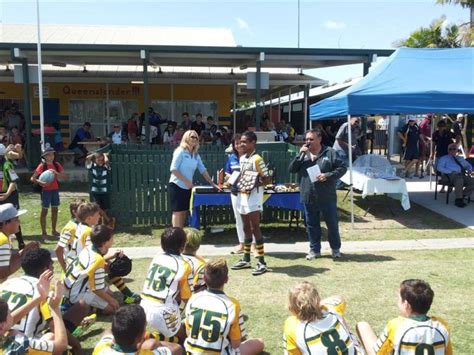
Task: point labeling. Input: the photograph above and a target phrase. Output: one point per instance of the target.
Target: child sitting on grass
(128, 336)
(317, 326)
(197, 263)
(166, 285)
(413, 332)
(213, 318)
(85, 277)
(14, 342)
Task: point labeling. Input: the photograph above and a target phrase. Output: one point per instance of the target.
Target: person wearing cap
(10, 260)
(117, 136)
(49, 191)
(410, 136)
(9, 192)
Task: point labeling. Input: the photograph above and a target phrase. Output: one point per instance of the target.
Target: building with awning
(103, 74)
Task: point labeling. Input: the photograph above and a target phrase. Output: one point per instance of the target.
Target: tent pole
(431, 159)
(349, 151)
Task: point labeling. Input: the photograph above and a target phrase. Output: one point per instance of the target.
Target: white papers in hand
(234, 177)
(313, 172)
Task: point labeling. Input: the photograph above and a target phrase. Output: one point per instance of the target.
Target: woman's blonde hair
(304, 302)
(184, 144)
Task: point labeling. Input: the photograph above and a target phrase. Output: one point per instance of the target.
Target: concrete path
(420, 193)
(302, 247)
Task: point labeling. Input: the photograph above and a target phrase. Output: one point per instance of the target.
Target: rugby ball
(46, 176)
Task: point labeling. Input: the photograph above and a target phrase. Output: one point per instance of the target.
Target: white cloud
(334, 25)
(243, 25)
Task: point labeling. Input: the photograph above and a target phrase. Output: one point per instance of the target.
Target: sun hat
(47, 151)
(8, 211)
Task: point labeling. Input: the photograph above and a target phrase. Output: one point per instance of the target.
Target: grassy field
(379, 224)
(369, 282)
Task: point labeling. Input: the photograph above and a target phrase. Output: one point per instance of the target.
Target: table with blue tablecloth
(288, 200)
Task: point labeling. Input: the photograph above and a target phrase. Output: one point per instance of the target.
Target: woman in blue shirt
(185, 161)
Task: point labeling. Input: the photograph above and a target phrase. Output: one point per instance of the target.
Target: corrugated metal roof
(124, 35)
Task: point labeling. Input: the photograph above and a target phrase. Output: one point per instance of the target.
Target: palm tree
(463, 3)
(433, 36)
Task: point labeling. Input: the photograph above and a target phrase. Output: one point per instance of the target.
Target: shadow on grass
(93, 333)
(385, 208)
(363, 258)
(299, 270)
(143, 230)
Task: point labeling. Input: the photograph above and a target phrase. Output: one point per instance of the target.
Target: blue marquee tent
(410, 81)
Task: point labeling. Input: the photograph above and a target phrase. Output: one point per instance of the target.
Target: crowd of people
(447, 154)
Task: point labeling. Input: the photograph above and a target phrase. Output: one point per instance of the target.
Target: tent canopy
(410, 81)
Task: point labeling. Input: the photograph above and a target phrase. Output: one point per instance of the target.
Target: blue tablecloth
(289, 200)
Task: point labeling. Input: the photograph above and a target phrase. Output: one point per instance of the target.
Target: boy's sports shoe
(241, 264)
(133, 299)
(260, 269)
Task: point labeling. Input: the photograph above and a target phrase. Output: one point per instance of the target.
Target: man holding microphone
(318, 169)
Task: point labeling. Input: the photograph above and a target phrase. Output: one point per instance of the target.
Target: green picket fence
(140, 184)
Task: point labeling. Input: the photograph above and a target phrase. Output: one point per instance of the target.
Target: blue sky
(324, 24)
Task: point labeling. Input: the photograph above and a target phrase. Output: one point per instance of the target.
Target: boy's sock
(120, 284)
(260, 250)
(247, 247)
(155, 335)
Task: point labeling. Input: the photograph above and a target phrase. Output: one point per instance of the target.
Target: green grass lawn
(379, 224)
(369, 282)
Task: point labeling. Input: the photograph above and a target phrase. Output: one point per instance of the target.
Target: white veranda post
(40, 76)
(349, 151)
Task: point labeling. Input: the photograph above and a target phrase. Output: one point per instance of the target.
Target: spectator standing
(341, 145)
(198, 125)
(319, 196)
(425, 142)
(49, 191)
(14, 118)
(132, 128)
(185, 161)
(9, 184)
(4, 136)
(457, 129)
(442, 138)
(156, 121)
(117, 136)
(83, 134)
(458, 172)
(410, 136)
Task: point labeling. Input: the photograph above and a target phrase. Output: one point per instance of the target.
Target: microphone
(302, 154)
